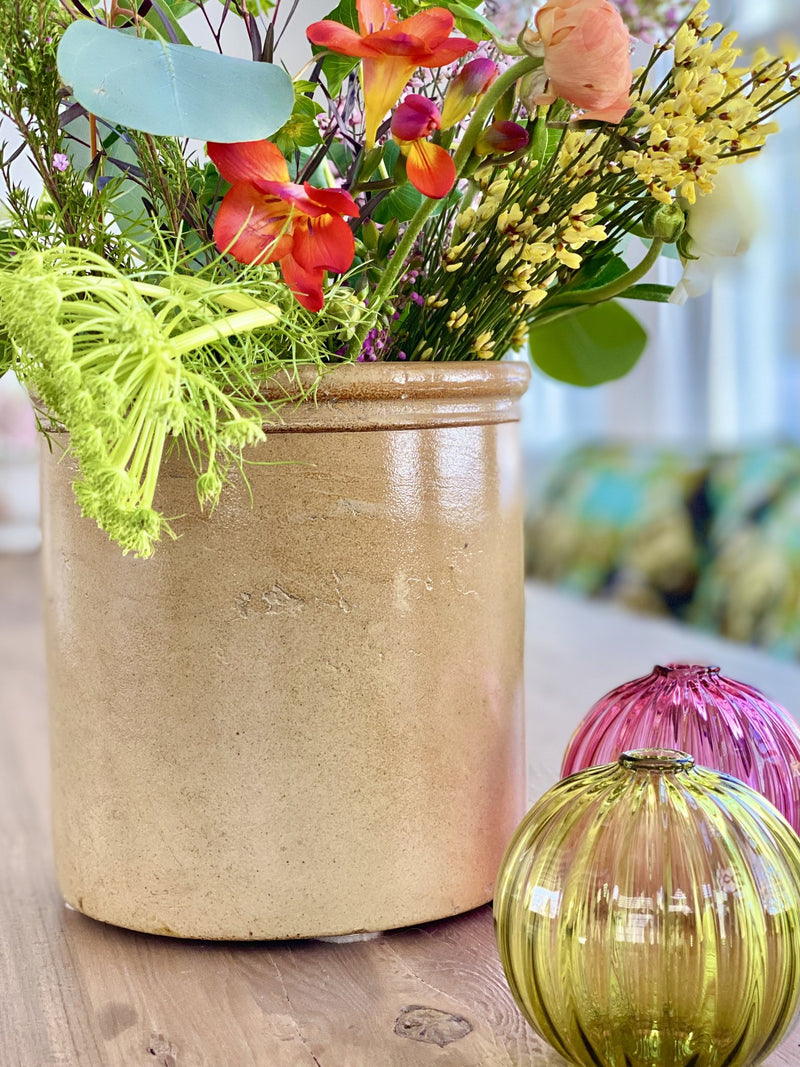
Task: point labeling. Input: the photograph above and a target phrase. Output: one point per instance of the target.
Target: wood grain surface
(78, 993)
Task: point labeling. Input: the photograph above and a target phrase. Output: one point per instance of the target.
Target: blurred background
(677, 489)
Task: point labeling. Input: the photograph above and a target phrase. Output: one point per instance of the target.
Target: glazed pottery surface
(303, 717)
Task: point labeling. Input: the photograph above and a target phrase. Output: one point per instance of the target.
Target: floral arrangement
(425, 189)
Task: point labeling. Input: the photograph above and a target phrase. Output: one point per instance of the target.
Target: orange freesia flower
(428, 166)
(390, 50)
(265, 218)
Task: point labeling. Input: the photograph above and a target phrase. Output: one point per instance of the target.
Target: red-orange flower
(264, 218)
(390, 50)
(428, 166)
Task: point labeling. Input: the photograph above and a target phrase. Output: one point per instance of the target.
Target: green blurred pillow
(749, 588)
(616, 520)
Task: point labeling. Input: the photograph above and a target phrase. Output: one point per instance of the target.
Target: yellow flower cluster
(529, 244)
(530, 228)
(580, 156)
(536, 242)
(712, 110)
(483, 345)
(458, 319)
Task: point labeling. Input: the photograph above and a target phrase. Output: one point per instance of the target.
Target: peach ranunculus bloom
(586, 57)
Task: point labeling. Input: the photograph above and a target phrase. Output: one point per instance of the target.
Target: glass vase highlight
(725, 725)
(648, 915)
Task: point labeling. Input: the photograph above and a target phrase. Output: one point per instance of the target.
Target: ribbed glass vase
(648, 915)
(724, 724)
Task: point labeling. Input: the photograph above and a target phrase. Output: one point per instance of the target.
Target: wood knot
(431, 1025)
(165, 1052)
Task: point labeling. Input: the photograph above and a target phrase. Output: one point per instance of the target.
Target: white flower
(721, 225)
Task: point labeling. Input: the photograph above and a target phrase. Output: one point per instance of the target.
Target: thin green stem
(462, 154)
(612, 289)
(154, 456)
(237, 323)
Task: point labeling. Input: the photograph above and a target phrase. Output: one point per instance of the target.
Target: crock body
(304, 716)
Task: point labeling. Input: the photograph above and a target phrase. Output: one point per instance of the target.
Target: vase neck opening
(656, 760)
(684, 672)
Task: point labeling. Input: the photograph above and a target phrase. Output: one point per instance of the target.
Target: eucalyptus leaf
(170, 89)
(590, 346)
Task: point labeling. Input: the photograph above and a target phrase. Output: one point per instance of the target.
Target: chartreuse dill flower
(130, 366)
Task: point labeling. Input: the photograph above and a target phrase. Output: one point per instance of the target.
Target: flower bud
(416, 117)
(665, 221)
(388, 237)
(531, 89)
(502, 138)
(471, 82)
(369, 235)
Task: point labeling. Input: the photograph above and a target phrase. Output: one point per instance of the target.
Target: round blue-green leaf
(170, 89)
(595, 344)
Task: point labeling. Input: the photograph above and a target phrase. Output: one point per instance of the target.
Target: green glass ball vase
(648, 915)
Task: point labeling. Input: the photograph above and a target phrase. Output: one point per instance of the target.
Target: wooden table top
(78, 992)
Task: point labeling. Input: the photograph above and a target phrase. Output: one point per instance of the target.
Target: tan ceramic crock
(303, 717)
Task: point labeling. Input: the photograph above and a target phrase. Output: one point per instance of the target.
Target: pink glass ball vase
(724, 724)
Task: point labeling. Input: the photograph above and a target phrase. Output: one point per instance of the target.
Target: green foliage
(658, 294)
(125, 199)
(170, 89)
(6, 353)
(134, 362)
(598, 272)
(592, 345)
(300, 130)
(470, 20)
(400, 204)
(163, 20)
(30, 98)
